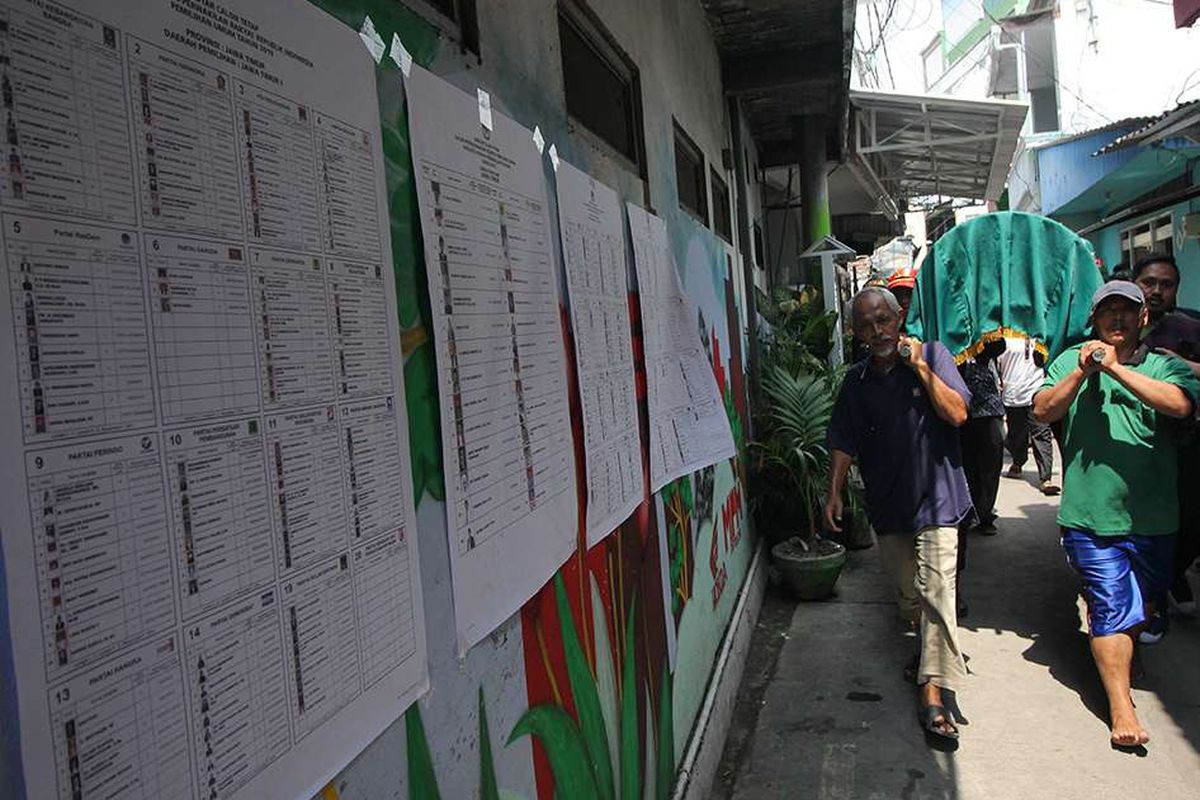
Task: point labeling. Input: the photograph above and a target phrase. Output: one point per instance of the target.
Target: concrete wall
(696, 534)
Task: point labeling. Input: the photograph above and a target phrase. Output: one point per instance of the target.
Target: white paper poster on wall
(593, 241)
(209, 535)
(502, 378)
(689, 429)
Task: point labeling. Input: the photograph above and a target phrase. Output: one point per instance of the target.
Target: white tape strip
(539, 141)
(371, 38)
(401, 55)
(554, 157)
(485, 109)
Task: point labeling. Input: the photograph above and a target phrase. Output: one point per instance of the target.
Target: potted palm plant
(791, 469)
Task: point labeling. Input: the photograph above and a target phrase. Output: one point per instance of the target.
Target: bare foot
(1126, 730)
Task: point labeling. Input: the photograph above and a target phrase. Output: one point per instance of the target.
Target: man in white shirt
(1020, 377)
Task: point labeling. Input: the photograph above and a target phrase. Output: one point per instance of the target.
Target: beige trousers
(923, 568)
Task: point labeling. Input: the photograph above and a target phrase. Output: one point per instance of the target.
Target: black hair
(1121, 273)
(1155, 258)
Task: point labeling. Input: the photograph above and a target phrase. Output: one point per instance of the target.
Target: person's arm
(1194, 366)
(839, 465)
(1050, 404)
(1164, 397)
(947, 403)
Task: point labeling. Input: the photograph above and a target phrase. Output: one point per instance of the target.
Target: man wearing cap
(1115, 400)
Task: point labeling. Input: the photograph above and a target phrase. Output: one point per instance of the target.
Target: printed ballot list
(594, 251)
(502, 379)
(689, 429)
(212, 578)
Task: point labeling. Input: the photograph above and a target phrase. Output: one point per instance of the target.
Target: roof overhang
(910, 146)
(784, 60)
(1181, 122)
(1139, 176)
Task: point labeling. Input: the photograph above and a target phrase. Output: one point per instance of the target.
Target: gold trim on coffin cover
(995, 335)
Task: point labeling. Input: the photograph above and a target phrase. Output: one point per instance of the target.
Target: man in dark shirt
(897, 415)
(1177, 331)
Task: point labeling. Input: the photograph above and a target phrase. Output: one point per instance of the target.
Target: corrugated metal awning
(934, 145)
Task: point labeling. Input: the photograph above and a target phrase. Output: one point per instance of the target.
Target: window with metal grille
(1152, 236)
(722, 218)
(600, 82)
(689, 176)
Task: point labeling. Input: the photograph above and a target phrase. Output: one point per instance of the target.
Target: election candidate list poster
(593, 241)
(208, 531)
(502, 380)
(688, 426)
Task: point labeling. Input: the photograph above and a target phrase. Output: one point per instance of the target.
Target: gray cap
(1126, 289)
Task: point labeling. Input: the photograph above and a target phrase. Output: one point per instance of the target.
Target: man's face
(1118, 321)
(1160, 283)
(877, 325)
(904, 298)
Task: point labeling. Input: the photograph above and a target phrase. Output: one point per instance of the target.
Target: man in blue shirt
(898, 416)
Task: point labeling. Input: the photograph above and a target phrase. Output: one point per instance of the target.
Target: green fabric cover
(1119, 455)
(1005, 274)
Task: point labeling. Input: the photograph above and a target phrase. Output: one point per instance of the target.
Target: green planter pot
(807, 576)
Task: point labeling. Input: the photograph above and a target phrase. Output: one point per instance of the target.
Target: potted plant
(856, 528)
(791, 469)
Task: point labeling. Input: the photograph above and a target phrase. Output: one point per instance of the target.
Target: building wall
(1068, 169)
(1107, 242)
(670, 575)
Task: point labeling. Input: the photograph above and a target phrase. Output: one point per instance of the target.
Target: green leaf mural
(487, 770)
(666, 736)
(422, 782)
(629, 712)
(573, 778)
(606, 677)
(650, 765)
(583, 690)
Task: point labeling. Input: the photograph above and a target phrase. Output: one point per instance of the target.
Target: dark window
(758, 245)
(463, 14)
(689, 176)
(600, 83)
(722, 219)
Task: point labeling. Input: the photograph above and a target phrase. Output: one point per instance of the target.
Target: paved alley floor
(824, 712)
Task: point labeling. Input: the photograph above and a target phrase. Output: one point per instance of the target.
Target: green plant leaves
(564, 746)
(583, 690)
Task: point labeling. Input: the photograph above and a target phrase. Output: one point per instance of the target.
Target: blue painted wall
(1066, 170)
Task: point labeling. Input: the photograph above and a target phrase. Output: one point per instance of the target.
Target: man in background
(1177, 331)
(1020, 377)
(901, 284)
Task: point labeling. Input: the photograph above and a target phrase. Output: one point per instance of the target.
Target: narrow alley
(824, 712)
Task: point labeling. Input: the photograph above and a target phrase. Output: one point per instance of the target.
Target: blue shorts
(1120, 573)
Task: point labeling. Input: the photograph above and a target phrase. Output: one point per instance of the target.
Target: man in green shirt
(1119, 507)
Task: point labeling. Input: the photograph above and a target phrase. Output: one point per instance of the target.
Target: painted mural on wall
(575, 697)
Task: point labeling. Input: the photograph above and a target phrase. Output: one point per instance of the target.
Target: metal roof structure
(908, 146)
(1181, 122)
